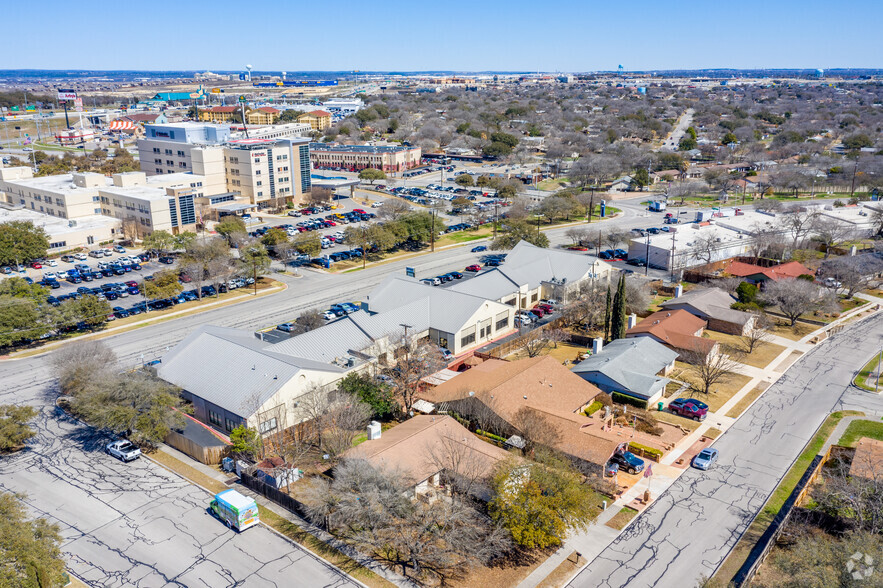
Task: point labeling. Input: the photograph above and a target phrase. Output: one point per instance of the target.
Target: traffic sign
(242, 98)
(409, 271)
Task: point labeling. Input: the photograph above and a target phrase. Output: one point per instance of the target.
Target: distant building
(265, 115)
(319, 120)
(217, 114)
(389, 158)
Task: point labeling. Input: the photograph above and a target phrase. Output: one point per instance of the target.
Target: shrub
(491, 436)
(593, 408)
(746, 292)
(747, 307)
(650, 452)
(630, 400)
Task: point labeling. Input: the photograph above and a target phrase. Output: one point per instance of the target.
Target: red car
(473, 268)
(546, 308)
(538, 312)
(132, 284)
(359, 211)
(184, 278)
(36, 265)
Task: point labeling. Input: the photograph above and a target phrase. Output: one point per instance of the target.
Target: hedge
(644, 450)
(491, 436)
(630, 400)
(593, 408)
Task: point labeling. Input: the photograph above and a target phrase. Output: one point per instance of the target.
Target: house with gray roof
(713, 306)
(635, 366)
(532, 273)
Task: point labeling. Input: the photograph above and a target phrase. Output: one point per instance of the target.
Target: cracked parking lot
(137, 524)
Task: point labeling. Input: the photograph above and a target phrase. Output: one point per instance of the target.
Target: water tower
(283, 75)
(248, 68)
(820, 73)
(620, 69)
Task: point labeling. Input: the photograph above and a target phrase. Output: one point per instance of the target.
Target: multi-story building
(283, 131)
(265, 115)
(265, 171)
(217, 113)
(186, 147)
(389, 158)
(273, 163)
(319, 120)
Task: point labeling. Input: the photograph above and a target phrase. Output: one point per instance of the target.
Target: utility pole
(432, 231)
(672, 264)
(854, 170)
(496, 217)
(647, 257)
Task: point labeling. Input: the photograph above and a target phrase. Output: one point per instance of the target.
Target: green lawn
(868, 375)
(858, 429)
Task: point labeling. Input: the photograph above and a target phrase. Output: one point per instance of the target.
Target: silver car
(705, 459)
(124, 450)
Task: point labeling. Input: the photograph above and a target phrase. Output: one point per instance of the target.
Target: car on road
(689, 407)
(705, 458)
(123, 449)
(478, 248)
(628, 461)
(285, 327)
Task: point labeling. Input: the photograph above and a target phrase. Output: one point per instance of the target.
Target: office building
(265, 115)
(319, 120)
(389, 158)
(265, 171)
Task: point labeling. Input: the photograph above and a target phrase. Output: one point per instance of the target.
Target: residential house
(756, 274)
(667, 175)
(265, 115)
(678, 330)
(424, 449)
(713, 306)
(633, 366)
(532, 273)
(537, 398)
(318, 119)
(623, 184)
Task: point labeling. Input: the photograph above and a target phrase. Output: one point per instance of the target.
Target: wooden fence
(207, 455)
(762, 549)
(507, 347)
(277, 496)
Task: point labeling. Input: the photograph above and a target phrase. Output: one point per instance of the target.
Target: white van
(432, 281)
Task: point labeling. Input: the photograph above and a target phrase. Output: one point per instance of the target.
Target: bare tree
(535, 342)
(465, 470)
(392, 208)
(710, 368)
(78, 363)
(854, 273)
(414, 361)
(371, 509)
(535, 429)
(330, 418)
(793, 297)
(830, 231)
(320, 195)
(637, 295)
(799, 224)
(614, 237)
(705, 246)
(857, 497)
(757, 334)
(310, 320)
(578, 235)
(585, 310)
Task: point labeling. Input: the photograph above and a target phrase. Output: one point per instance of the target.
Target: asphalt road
(689, 530)
(137, 524)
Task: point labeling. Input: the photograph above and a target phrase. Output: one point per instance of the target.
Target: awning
(122, 125)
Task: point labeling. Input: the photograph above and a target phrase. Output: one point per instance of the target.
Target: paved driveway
(689, 530)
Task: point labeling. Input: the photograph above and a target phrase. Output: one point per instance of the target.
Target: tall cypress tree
(607, 315)
(618, 319)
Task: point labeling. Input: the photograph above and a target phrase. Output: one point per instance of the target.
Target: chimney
(597, 345)
(679, 290)
(633, 320)
(373, 430)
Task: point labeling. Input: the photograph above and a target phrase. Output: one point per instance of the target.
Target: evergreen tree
(618, 318)
(607, 316)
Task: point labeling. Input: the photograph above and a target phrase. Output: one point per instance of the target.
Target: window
(168, 151)
(535, 297)
(180, 154)
(58, 244)
(267, 426)
(170, 163)
(90, 240)
(257, 172)
(214, 418)
(468, 337)
(229, 424)
(484, 328)
(502, 321)
(157, 161)
(188, 211)
(260, 183)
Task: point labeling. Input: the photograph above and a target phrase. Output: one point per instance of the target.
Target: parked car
(285, 327)
(473, 268)
(446, 353)
(689, 407)
(123, 449)
(119, 248)
(167, 260)
(628, 461)
(432, 281)
(705, 459)
(611, 469)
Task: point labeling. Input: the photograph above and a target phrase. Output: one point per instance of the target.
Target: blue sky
(514, 35)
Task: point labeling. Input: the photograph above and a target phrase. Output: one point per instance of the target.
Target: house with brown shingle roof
(424, 448)
(676, 329)
(756, 274)
(540, 394)
(713, 305)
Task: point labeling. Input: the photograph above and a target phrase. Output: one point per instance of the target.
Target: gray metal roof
(448, 310)
(232, 369)
(632, 363)
(529, 265)
(712, 302)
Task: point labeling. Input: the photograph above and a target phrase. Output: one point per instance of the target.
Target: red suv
(538, 312)
(473, 268)
(546, 308)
